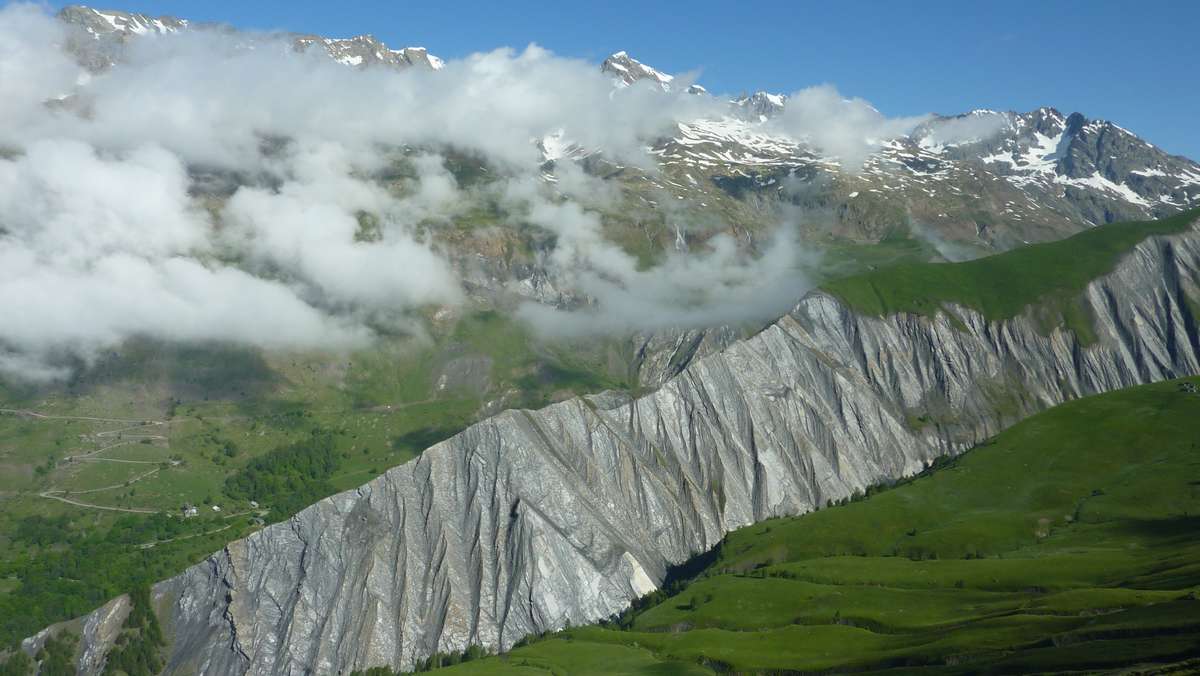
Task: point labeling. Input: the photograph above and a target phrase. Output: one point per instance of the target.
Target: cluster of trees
(679, 577)
(936, 465)
(439, 660)
(58, 583)
(46, 467)
(42, 531)
(56, 658)
(17, 664)
(290, 477)
(434, 661)
(136, 651)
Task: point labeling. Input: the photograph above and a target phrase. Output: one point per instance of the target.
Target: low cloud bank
(850, 130)
(716, 284)
(221, 186)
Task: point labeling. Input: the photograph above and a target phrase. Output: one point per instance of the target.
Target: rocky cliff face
(534, 519)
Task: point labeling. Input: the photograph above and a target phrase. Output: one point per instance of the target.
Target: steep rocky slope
(534, 519)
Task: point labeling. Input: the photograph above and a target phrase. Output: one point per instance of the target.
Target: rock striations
(532, 520)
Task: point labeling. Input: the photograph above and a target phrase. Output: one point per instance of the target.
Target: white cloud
(716, 284)
(103, 235)
(69, 205)
(850, 130)
(95, 249)
(32, 68)
(211, 98)
(976, 126)
(307, 229)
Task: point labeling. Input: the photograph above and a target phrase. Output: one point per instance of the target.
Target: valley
(936, 406)
(69, 462)
(324, 356)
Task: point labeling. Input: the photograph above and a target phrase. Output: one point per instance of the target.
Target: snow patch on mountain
(360, 51)
(627, 70)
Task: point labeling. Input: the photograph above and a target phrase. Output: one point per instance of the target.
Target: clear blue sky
(1136, 63)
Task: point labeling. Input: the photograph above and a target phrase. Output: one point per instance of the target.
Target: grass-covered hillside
(1050, 274)
(1070, 542)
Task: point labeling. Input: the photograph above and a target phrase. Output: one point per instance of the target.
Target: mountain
(1086, 560)
(760, 105)
(365, 51)
(1037, 176)
(1034, 176)
(109, 26)
(1040, 176)
(554, 482)
(626, 70)
(533, 520)
(117, 24)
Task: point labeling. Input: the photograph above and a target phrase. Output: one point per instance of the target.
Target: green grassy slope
(1069, 541)
(1003, 285)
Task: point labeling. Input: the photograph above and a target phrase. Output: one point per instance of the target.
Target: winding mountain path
(123, 433)
(131, 510)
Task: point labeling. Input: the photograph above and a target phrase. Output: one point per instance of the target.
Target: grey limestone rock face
(531, 520)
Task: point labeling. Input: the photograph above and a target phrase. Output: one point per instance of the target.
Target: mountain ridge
(1040, 175)
(533, 519)
(359, 51)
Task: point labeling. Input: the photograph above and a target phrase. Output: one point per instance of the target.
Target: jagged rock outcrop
(534, 519)
(760, 105)
(627, 70)
(364, 51)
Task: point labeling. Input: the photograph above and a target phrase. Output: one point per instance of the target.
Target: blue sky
(1137, 64)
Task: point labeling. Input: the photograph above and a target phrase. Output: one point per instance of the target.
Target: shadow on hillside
(185, 373)
(1174, 528)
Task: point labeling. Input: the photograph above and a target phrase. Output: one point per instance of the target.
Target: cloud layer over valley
(223, 186)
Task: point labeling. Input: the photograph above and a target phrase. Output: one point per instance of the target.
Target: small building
(189, 510)
(216, 508)
(253, 504)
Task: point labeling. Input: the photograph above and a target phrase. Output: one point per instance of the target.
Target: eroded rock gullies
(534, 519)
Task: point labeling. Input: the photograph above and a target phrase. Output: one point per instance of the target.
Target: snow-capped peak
(760, 104)
(105, 22)
(627, 70)
(362, 51)
(358, 51)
